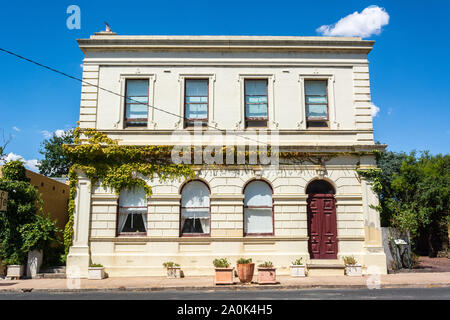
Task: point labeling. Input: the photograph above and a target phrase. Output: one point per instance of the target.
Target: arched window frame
(145, 218)
(181, 234)
(332, 187)
(268, 207)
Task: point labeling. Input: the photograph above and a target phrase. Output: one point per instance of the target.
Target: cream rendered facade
(226, 61)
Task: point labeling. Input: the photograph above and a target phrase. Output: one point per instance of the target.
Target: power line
(112, 92)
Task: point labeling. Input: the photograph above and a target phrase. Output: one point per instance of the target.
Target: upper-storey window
(195, 102)
(316, 101)
(256, 103)
(136, 105)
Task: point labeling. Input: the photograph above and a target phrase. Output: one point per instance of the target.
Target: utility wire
(112, 92)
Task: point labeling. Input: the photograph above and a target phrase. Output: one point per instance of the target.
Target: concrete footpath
(418, 280)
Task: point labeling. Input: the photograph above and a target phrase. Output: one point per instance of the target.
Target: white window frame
(271, 123)
(151, 124)
(211, 77)
(331, 101)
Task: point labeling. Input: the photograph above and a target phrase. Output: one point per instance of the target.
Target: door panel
(322, 226)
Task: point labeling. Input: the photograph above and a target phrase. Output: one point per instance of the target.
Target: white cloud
(16, 129)
(47, 134)
(59, 133)
(29, 164)
(363, 24)
(375, 110)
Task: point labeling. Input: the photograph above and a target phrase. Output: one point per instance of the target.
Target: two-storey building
(309, 94)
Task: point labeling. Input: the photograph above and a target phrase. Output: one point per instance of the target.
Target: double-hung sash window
(136, 104)
(258, 209)
(316, 101)
(196, 102)
(132, 216)
(256, 109)
(195, 209)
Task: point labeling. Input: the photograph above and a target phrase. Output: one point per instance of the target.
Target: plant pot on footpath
(173, 269)
(245, 269)
(96, 272)
(15, 271)
(352, 268)
(223, 271)
(267, 273)
(298, 269)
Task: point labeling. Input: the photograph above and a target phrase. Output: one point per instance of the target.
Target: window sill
(132, 234)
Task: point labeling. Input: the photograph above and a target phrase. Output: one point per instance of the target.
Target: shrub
(244, 261)
(297, 262)
(221, 263)
(170, 264)
(267, 264)
(349, 260)
(96, 265)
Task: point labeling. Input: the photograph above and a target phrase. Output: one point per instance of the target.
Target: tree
(415, 197)
(390, 163)
(21, 229)
(55, 163)
(421, 198)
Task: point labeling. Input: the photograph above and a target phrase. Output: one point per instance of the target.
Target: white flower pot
(15, 271)
(96, 273)
(298, 271)
(34, 263)
(353, 270)
(174, 272)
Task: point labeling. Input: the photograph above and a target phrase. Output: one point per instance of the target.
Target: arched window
(320, 187)
(195, 209)
(258, 209)
(132, 211)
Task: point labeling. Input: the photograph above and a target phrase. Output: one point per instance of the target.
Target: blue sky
(409, 65)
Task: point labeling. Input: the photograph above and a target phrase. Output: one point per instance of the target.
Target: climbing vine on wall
(119, 167)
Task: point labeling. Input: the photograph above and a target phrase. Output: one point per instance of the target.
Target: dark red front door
(322, 226)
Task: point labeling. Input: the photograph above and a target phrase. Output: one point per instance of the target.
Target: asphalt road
(306, 294)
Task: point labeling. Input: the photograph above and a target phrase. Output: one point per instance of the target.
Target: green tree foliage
(21, 229)
(55, 163)
(415, 195)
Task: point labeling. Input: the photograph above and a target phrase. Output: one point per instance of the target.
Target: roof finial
(107, 31)
(108, 28)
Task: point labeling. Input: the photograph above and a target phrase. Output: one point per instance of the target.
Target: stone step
(61, 269)
(51, 276)
(326, 267)
(53, 273)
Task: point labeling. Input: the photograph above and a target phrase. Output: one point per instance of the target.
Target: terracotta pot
(245, 272)
(267, 276)
(224, 275)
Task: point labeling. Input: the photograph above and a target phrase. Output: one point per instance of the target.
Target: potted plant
(96, 272)
(15, 268)
(245, 269)
(298, 268)
(224, 273)
(266, 273)
(352, 268)
(173, 269)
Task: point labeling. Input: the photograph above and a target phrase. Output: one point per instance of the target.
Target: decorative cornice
(101, 42)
